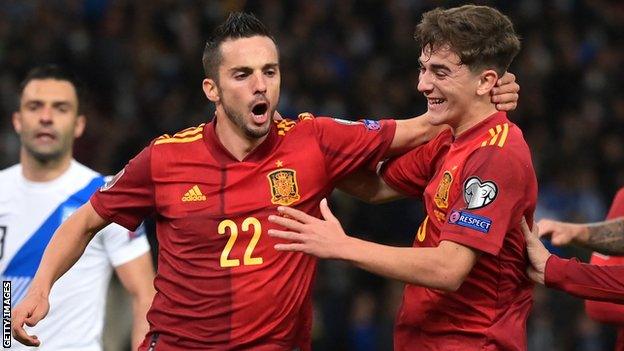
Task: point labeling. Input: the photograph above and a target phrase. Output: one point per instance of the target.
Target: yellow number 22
(247, 259)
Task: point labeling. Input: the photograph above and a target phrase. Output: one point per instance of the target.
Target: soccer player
(607, 239)
(37, 194)
(466, 283)
(220, 284)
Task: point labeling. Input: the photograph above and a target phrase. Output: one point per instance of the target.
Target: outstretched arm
(444, 267)
(603, 283)
(65, 248)
(606, 237)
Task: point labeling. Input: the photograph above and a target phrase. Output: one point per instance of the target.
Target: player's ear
(79, 127)
(17, 122)
(211, 89)
(487, 81)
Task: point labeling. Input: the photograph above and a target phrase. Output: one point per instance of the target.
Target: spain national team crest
(284, 189)
(442, 194)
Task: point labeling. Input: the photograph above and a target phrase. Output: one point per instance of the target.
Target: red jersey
(600, 283)
(602, 311)
(220, 284)
(475, 188)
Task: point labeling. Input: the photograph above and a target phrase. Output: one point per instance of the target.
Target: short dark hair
(481, 36)
(238, 25)
(55, 72)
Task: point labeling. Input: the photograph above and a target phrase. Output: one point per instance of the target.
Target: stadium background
(141, 64)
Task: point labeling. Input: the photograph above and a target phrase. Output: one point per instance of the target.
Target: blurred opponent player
(40, 192)
(220, 284)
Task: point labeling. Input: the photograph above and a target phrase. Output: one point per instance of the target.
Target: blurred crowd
(140, 62)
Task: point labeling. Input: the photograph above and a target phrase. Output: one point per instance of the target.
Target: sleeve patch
(371, 124)
(470, 220)
(111, 182)
(478, 194)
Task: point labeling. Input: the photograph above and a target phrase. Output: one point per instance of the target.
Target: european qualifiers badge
(284, 189)
(6, 313)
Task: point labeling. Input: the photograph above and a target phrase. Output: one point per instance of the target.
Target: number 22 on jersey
(250, 223)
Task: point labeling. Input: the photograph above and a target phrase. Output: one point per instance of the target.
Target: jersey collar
(481, 128)
(222, 154)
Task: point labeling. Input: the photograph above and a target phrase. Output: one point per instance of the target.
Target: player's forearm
(369, 187)
(140, 326)
(601, 283)
(605, 312)
(419, 266)
(65, 248)
(604, 237)
(411, 133)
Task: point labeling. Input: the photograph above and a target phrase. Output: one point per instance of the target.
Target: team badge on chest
(284, 189)
(442, 194)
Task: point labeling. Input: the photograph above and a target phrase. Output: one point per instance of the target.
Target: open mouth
(260, 108)
(259, 112)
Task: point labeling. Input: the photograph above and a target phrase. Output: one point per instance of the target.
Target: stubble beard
(50, 155)
(239, 120)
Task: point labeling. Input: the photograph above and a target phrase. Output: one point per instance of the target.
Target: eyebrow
(247, 69)
(54, 103)
(436, 66)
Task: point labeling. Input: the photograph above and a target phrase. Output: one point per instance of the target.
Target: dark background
(141, 64)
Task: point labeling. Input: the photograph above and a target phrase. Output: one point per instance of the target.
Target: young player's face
(449, 86)
(47, 120)
(249, 83)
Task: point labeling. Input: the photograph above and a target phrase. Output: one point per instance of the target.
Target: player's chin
(258, 131)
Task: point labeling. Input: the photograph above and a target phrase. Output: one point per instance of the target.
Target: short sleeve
(493, 190)
(128, 197)
(348, 145)
(410, 173)
(122, 245)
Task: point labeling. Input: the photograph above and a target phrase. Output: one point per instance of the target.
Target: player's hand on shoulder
(33, 308)
(560, 233)
(505, 92)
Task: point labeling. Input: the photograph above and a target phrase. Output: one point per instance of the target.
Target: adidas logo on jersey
(194, 194)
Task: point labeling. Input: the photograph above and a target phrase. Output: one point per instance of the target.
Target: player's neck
(478, 112)
(43, 171)
(234, 139)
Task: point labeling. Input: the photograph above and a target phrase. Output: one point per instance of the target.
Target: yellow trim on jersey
(185, 136)
(498, 136)
(179, 140)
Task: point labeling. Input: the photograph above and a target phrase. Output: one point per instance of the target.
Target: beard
(239, 119)
(46, 155)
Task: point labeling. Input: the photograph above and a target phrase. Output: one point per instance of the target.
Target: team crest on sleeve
(284, 189)
(111, 182)
(442, 194)
(371, 124)
(479, 194)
